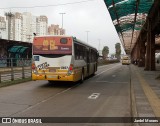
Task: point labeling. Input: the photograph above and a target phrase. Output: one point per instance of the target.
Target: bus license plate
(52, 76)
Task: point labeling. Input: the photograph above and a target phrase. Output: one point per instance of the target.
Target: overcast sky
(91, 15)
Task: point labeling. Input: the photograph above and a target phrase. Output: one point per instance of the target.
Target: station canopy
(17, 49)
(128, 17)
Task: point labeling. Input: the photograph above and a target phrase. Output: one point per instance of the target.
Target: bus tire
(50, 82)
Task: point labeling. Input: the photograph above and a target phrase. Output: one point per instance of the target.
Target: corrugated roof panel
(17, 49)
(128, 15)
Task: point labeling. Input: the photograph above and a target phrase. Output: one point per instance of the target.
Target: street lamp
(87, 35)
(62, 18)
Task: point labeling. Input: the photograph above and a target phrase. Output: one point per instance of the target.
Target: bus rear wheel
(50, 82)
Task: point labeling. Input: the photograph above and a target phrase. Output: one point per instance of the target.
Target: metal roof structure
(17, 49)
(128, 17)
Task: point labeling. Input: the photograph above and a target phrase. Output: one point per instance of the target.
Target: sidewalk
(145, 93)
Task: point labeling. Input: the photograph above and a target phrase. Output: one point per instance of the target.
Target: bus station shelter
(137, 23)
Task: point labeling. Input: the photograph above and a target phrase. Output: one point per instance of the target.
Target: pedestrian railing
(14, 68)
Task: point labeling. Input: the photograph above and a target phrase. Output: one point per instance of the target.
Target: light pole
(62, 18)
(87, 35)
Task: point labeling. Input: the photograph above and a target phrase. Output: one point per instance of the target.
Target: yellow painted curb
(151, 95)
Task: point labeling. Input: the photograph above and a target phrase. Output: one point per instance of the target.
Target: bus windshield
(125, 58)
(52, 45)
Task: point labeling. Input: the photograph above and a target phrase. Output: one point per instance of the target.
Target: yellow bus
(62, 58)
(125, 60)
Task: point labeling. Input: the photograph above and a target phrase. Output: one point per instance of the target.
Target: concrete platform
(145, 93)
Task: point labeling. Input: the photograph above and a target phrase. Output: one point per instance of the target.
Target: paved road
(107, 94)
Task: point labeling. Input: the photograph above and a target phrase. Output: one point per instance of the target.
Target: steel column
(142, 52)
(150, 48)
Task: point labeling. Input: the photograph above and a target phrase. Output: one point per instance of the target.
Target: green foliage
(118, 50)
(112, 55)
(105, 52)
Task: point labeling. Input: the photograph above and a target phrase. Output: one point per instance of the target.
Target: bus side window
(76, 51)
(85, 54)
(90, 56)
(82, 52)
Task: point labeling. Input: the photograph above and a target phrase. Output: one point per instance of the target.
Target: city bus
(125, 60)
(62, 58)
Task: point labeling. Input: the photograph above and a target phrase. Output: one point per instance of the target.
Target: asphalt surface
(106, 94)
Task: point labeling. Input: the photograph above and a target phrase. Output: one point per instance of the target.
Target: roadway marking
(106, 65)
(45, 100)
(94, 96)
(151, 95)
(111, 82)
(106, 70)
(53, 96)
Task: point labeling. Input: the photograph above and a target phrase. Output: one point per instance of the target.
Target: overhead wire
(48, 5)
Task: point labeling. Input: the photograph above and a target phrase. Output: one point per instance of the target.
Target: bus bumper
(53, 77)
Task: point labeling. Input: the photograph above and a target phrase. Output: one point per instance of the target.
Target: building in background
(28, 27)
(14, 26)
(55, 30)
(3, 29)
(21, 26)
(42, 25)
(17, 26)
(9, 25)
(33, 26)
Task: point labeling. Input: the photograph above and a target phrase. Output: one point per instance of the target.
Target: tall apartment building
(9, 25)
(17, 26)
(55, 30)
(3, 29)
(14, 26)
(21, 26)
(28, 27)
(42, 25)
(34, 26)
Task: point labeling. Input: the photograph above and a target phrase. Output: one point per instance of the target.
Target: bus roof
(53, 36)
(82, 42)
(74, 38)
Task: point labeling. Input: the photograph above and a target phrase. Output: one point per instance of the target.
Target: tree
(105, 52)
(118, 50)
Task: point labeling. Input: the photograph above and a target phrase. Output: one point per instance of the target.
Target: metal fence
(14, 68)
